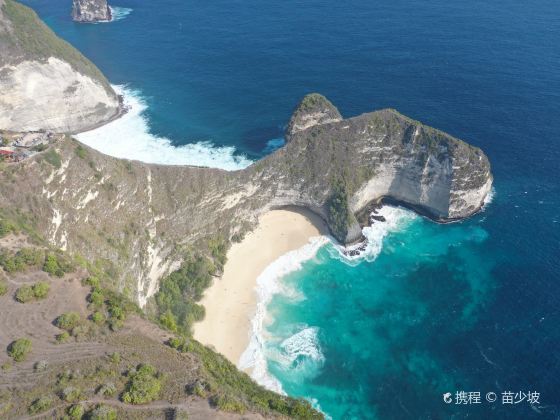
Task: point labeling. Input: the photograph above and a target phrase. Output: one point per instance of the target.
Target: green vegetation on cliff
(338, 210)
(178, 293)
(26, 36)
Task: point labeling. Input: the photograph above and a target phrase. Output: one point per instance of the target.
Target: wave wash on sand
(304, 343)
(129, 137)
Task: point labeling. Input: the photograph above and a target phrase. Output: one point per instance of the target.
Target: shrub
(62, 338)
(107, 390)
(96, 298)
(81, 152)
(71, 394)
(168, 321)
(6, 227)
(80, 330)
(3, 288)
(98, 317)
(91, 281)
(24, 294)
(218, 249)
(41, 290)
(76, 411)
(40, 366)
(25, 257)
(55, 266)
(228, 403)
(68, 321)
(30, 256)
(40, 405)
(19, 349)
(180, 343)
(115, 324)
(53, 158)
(103, 412)
(143, 386)
(115, 357)
(197, 388)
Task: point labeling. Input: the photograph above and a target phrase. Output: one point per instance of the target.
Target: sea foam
(269, 284)
(396, 218)
(304, 343)
(129, 137)
(119, 13)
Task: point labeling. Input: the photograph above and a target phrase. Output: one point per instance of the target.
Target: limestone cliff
(136, 217)
(91, 11)
(45, 83)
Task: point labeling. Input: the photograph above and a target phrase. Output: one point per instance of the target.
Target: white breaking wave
(129, 137)
(305, 343)
(396, 218)
(268, 284)
(119, 13)
(489, 198)
(300, 352)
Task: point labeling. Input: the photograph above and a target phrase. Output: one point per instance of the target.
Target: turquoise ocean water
(470, 306)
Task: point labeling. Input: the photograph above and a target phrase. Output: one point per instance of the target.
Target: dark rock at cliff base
(91, 11)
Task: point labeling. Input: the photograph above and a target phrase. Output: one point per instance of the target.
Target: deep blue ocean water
(472, 306)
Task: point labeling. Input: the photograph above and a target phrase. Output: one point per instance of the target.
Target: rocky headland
(88, 11)
(139, 217)
(45, 83)
(129, 224)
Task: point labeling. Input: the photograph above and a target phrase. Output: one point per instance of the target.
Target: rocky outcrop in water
(45, 83)
(91, 11)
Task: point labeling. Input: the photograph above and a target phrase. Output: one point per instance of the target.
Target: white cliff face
(91, 11)
(51, 95)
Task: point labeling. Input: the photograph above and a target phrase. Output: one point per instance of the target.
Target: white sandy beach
(231, 301)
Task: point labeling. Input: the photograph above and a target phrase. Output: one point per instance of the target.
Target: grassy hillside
(69, 346)
(24, 36)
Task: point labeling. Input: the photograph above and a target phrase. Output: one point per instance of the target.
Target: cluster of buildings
(15, 147)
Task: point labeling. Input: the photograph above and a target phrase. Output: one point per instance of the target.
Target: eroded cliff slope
(139, 218)
(45, 83)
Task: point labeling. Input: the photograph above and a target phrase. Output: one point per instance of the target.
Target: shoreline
(122, 110)
(231, 301)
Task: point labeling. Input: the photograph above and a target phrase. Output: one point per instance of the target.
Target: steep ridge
(46, 83)
(139, 217)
